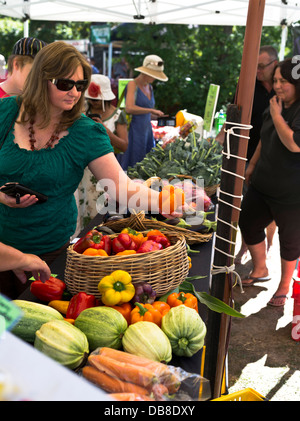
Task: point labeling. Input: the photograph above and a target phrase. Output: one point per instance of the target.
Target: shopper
(274, 189)
(13, 259)
(46, 144)
(140, 104)
(19, 65)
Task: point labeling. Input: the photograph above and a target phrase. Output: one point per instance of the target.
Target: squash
(103, 326)
(146, 339)
(62, 342)
(34, 316)
(185, 330)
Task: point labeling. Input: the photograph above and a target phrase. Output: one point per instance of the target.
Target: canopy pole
(221, 286)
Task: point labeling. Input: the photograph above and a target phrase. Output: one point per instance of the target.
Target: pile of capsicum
(135, 301)
(127, 242)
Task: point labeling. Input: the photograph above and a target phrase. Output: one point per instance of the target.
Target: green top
(55, 172)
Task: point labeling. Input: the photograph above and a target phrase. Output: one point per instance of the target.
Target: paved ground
(262, 354)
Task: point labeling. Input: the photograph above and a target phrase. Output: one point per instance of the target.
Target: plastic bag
(126, 376)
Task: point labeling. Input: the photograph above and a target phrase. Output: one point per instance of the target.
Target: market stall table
(201, 266)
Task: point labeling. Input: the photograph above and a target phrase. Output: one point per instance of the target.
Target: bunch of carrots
(128, 377)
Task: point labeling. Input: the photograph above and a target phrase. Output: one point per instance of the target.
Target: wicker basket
(139, 222)
(164, 270)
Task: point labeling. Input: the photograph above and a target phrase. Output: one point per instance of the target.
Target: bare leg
(287, 270)
(241, 253)
(258, 254)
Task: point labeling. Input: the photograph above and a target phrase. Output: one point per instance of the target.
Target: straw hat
(100, 88)
(153, 66)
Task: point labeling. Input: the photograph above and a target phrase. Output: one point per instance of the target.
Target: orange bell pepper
(94, 252)
(170, 198)
(145, 312)
(125, 309)
(161, 306)
(177, 298)
(125, 253)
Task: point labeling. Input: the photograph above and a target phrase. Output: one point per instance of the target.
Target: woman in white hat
(140, 104)
(99, 107)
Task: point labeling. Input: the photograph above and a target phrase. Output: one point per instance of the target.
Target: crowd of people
(60, 133)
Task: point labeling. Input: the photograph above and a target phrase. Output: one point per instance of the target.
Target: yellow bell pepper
(116, 288)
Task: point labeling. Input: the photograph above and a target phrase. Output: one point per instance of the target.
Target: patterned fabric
(86, 194)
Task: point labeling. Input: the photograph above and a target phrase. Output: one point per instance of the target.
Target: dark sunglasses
(68, 84)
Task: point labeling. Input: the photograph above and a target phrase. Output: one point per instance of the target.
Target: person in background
(19, 64)
(99, 107)
(95, 69)
(140, 104)
(267, 61)
(15, 260)
(3, 71)
(273, 176)
(48, 143)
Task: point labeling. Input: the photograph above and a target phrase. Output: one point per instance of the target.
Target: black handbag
(17, 190)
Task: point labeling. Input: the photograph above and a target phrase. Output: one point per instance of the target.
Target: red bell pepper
(91, 239)
(164, 241)
(105, 244)
(80, 302)
(149, 245)
(121, 242)
(47, 291)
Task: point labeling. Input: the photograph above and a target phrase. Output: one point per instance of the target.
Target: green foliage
(194, 56)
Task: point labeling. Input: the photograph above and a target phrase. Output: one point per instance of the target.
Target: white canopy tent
(193, 12)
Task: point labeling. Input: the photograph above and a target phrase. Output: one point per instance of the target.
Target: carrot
(124, 371)
(130, 397)
(162, 371)
(160, 392)
(111, 384)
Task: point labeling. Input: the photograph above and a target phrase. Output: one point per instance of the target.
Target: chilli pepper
(116, 288)
(177, 298)
(149, 245)
(50, 290)
(80, 302)
(122, 242)
(161, 239)
(92, 238)
(145, 312)
(125, 309)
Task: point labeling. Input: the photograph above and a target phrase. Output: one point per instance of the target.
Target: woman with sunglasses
(140, 104)
(46, 143)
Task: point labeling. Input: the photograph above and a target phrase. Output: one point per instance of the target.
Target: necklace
(32, 139)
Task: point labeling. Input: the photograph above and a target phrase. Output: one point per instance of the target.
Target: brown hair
(287, 67)
(21, 60)
(56, 60)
